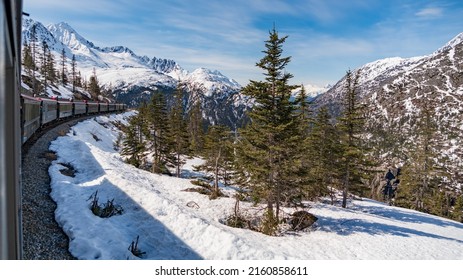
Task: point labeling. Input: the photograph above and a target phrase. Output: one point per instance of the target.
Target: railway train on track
(20, 117)
(39, 112)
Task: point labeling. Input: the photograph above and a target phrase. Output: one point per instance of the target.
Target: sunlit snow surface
(155, 209)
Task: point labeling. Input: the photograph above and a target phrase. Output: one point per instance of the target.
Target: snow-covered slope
(396, 90)
(174, 224)
(133, 78)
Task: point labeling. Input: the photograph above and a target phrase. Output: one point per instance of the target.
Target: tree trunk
(345, 190)
(178, 165)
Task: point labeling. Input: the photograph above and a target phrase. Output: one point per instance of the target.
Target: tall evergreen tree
(73, 73)
(218, 154)
(355, 164)
(27, 60)
(457, 213)
(421, 173)
(44, 67)
(324, 153)
(133, 145)
(50, 67)
(196, 127)
(30, 68)
(64, 78)
(270, 144)
(159, 132)
(178, 130)
(33, 42)
(93, 86)
(304, 110)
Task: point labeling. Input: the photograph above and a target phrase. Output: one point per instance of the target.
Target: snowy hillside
(396, 90)
(174, 224)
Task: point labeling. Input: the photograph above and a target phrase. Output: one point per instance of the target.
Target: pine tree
(269, 147)
(50, 67)
(73, 73)
(64, 78)
(27, 61)
(325, 153)
(421, 173)
(35, 84)
(439, 203)
(93, 86)
(178, 130)
(457, 213)
(355, 164)
(79, 80)
(304, 110)
(218, 154)
(159, 132)
(44, 67)
(196, 127)
(133, 145)
(30, 67)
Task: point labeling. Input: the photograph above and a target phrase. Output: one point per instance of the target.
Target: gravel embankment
(43, 238)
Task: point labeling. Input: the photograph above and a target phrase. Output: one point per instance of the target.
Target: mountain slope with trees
(125, 76)
(414, 122)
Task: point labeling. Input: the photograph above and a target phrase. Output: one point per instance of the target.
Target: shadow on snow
(155, 238)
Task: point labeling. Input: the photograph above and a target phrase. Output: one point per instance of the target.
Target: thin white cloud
(430, 12)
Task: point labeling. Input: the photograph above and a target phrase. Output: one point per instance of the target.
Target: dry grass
(50, 155)
(63, 132)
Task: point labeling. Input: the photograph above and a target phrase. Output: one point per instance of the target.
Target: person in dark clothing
(388, 190)
(389, 176)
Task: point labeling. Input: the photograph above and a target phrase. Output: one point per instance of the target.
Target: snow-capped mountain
(312, 91)
(133, 78)
(397, 89)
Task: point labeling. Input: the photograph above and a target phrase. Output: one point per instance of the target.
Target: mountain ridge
(133, 78)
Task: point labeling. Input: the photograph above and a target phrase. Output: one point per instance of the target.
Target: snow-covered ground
(155, 209)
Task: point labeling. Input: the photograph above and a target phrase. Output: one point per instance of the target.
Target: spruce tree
(50, 67)
(324, 153)
(44, 67)
(93, 86)
(269, 149)
(159, 132)
(133, 145)
(178, 130)
(27, 61)
(218, 154)
(64, 78)
(33, 41)
(73, 73)
(29, 66)
(196, 127)
(304, 111)
(421, 173)
(355, 164)
(457, 212)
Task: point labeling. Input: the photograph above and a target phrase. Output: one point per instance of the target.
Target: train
(39, 112)
(10, 130)
(21, 116)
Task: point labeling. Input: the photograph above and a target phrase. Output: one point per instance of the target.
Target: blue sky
(326, 37)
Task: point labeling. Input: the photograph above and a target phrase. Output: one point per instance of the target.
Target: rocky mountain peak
(66, 35)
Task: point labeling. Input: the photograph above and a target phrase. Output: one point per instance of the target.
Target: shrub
(104, 210)
(269, 225)
(236, 221)
(133, 248)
